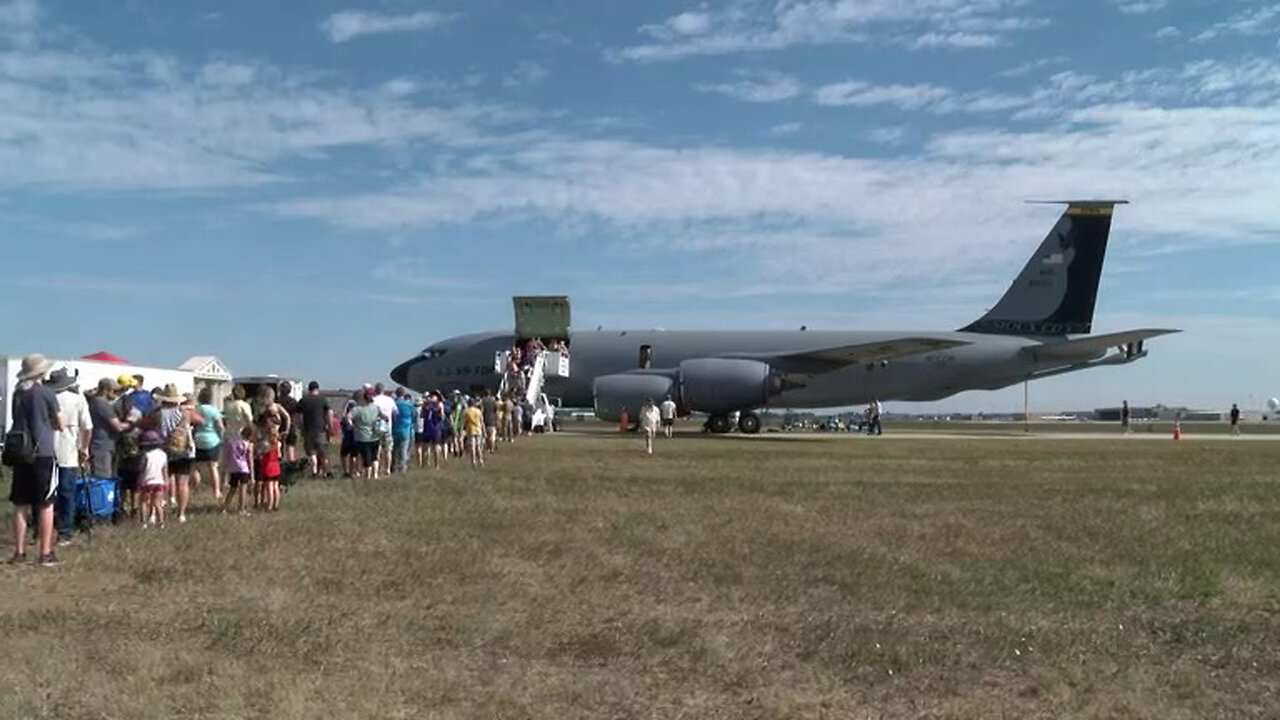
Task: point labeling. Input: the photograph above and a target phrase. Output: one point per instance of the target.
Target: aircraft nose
(400, 373)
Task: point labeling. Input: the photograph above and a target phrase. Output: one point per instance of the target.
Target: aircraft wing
(830, 358)
(1093, 345)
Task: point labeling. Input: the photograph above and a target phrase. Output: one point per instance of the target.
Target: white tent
(90, 372)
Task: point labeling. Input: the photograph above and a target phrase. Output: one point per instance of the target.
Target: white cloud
(932, 98)
(787, 128)
(1261, 20)
(755, 25)
(690, 23)
(761, 88)
(864, 94)
(1168, 32)
(347, 25)
(135, 122)
(1141, 7)
(956, 40)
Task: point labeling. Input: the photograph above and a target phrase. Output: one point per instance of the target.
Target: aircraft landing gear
(719, 424)
(748, 423)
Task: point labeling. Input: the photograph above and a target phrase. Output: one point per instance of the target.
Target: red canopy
(104, 356)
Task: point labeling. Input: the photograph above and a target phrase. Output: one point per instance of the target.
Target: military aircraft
(1038, 329)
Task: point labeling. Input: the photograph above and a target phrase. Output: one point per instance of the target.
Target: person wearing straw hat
(29, 447)
(177, 416)
(71, 448)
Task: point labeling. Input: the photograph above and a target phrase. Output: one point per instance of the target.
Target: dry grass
(762, 577)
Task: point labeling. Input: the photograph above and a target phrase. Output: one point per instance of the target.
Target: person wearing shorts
(365, 424)
(35, 477)
(667, 410)
(239, 469)
(316, 429)
(473, 431)
(154, 478)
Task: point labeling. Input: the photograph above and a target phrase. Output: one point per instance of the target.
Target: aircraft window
(432, 353)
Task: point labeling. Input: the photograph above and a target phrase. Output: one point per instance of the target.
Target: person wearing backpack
(175, 418)
(29, 450)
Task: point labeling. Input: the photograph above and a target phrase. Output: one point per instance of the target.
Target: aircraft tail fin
(1055, 293)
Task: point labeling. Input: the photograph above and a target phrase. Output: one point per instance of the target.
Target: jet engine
(614, 392)
(725, 385)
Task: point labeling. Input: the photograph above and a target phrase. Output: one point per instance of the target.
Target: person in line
(365, 419)
(873, 415)
(209, 435)
(650, 417)
(290, 406)
(489, 411)
(29, 449)
(239, 466)
(421, 448)
(473, 431)
(349, 452)
(387, 409)
(268, 468)
(434, 426)
(142, 399)
(129, 454)
(517, 417)
(1235, 419)
(503, 429)
(317, 429)
(107, 427)
(668, 413)
(154, 478)
(175, 419)
(1124, 417)
(458, 406)
(403, 420)
(237, 415)
(71, 448)
(272, 412)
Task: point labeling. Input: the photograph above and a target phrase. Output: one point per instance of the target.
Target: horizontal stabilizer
(1093, 345)
(862, 352)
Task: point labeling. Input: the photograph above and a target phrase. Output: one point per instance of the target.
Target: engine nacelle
(723, 385)
(612, 393)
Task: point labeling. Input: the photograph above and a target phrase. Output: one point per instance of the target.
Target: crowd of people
(162, 444)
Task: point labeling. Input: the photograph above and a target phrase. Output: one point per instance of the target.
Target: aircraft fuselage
(987, 362)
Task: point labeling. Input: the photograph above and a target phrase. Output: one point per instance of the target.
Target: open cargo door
(542, 316)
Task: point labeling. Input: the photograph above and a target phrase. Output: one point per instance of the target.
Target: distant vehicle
(1273, 404)
(1035, 331)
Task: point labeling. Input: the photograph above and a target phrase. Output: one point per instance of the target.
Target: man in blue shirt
(403, 421)
(35, 479)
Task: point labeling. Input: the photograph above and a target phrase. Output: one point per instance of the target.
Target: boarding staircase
(544, 317)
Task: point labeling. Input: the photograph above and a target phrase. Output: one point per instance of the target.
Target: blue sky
(322, 188)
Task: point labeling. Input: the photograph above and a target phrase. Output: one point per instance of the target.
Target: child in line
(268, 470)
(240, 469)
(155, 478)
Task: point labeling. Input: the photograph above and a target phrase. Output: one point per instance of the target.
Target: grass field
(724, 577)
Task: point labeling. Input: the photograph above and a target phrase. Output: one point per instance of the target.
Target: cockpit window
(433, 353)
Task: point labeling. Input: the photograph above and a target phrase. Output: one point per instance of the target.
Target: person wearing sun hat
(71, 448)
(30, 445)
(176, 419)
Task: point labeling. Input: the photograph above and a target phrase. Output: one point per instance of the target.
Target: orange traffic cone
(1177, 430)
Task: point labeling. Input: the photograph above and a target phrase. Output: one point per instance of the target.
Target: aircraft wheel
(719, 424)
(749, 423)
